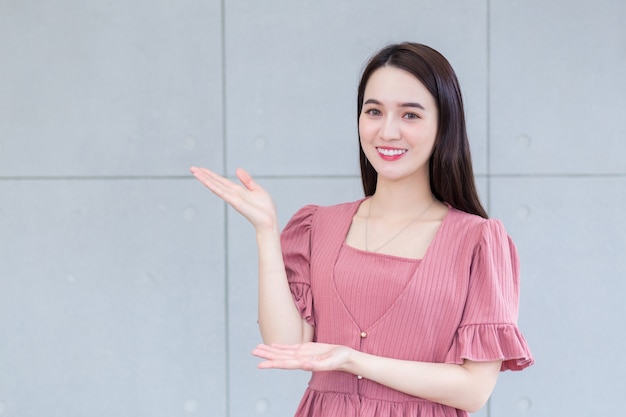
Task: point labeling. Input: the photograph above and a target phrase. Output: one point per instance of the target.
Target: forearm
(279, 320)
(466, 386)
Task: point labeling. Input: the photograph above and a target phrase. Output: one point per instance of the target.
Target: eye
(372, 112)
(411, 116)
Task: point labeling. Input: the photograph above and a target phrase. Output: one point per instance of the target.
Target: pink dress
(459, 302)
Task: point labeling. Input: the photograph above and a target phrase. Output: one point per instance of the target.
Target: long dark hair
(450, 165)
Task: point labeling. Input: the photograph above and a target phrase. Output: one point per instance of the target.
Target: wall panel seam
(227, 398)
(488, 123)
(488, 104)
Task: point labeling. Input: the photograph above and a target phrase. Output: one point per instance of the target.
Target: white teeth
(391, 152)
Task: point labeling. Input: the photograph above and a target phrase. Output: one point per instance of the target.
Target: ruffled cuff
(303, 300)
(491, 342)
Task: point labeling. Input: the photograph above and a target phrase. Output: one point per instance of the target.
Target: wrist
(351, 361)
(269, 230)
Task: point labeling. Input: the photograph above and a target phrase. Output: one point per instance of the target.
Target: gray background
(126, 289)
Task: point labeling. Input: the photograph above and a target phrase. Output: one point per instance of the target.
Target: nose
(390, 129)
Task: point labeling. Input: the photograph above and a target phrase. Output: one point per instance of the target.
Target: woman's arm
(279, 320)
(467, 386)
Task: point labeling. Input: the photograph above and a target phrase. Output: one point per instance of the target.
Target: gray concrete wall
(126, 289)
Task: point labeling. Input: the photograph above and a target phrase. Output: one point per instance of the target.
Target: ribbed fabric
(369, 283)
(459, 302)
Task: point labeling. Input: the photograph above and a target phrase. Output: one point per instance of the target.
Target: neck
(400, 198)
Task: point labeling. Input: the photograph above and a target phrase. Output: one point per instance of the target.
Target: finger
(246, 179)
(272, 354)
(285, 364)
(286, 346)
(220, 186)
(204, 175)
(287, 360)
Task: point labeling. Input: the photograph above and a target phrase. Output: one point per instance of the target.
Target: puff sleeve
(488, 329)
(295, 241)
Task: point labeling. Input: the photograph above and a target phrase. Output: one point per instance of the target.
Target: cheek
(366, 128)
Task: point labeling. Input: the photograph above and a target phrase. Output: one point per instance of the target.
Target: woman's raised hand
(251, 200)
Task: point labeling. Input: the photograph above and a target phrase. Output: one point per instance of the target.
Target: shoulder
(311, 214)
(348, 208)
(475, 227)
(484, 243)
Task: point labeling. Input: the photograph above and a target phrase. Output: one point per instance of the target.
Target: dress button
(359, 377)
(363, 334)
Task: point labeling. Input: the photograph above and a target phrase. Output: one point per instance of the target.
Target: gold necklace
(369, 211)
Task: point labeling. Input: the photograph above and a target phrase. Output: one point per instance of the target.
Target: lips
(390, 151)
(390, 154)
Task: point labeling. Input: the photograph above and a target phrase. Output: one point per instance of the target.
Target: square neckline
(358, 204)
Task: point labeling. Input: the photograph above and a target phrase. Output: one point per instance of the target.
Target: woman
(403, 303)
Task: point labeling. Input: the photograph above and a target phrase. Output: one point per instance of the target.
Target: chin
(395, 175)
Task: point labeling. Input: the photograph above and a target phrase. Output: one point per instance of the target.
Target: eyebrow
(409, 104)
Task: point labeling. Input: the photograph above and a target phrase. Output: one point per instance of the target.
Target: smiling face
(397, 125)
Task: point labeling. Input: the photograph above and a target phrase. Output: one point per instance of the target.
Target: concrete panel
(557, 87)
(571, 235)
(292, 68)
(254, 392)
(111, 299)
(109, 88)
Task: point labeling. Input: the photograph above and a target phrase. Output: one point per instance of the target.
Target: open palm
(310, 356)
(249, 199)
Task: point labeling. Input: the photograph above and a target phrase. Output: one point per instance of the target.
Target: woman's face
(397, 124)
